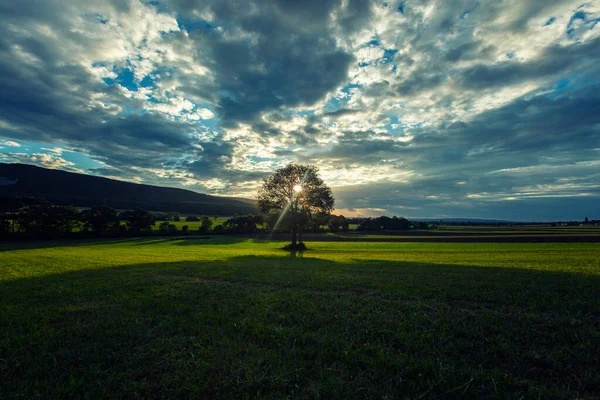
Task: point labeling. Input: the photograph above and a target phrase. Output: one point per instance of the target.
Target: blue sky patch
(401, 7)
(193, 25)
(125, 78)
(561, 84)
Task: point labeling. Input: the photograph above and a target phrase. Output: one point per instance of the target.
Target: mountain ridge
(82, 190)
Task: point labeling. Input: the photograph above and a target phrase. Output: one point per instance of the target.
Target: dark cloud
(468, 51)
(340, 113)
(287, 55)
(554, 60)
(275, 73)
(530, 10)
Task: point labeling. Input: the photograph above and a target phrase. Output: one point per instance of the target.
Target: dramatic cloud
(431, 108)
(43, 160)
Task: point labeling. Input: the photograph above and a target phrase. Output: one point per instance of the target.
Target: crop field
(234, 317)
(468, 234)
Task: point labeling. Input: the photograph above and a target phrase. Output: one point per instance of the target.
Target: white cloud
(55, 150)
(205, 113)
(43, 160)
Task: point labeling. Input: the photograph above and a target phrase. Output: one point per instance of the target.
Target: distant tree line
(29, 217)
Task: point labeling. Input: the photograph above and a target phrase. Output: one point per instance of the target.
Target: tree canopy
(298, 190)
(277, 191)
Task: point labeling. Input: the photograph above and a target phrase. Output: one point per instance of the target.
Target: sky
(434, 108)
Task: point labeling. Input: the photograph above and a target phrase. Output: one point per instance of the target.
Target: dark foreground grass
(231, 318)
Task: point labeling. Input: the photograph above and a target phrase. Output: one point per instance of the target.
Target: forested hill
(67, 188)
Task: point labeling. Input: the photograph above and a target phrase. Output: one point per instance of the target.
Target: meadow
(233, 317)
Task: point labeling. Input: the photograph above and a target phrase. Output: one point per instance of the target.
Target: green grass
(235, 318)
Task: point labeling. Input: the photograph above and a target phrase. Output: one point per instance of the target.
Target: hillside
(67, 188)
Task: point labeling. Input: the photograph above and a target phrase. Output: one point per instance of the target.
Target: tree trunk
(294, 227)
(294, 235)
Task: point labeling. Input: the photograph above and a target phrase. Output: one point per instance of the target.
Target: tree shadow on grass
(276, 326)
(11, 245)
(138, 241)
(196, 240)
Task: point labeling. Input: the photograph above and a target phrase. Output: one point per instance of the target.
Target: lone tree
(295, 189)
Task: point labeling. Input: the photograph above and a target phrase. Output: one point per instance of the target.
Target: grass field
(232, 318)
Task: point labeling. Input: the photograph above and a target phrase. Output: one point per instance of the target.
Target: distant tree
(206, 225)
(344, 224)
(334, 223)
(47, 220)
(192, 218)
(384, 223)
(185, 229)
(10, 206)
(100, 220)
(9, 209)
(586, 220)
(138, 220)
(166, 228)
(163, 227)
(369, 224)
(247, 224)
(66, 219)
(293, 188)
(394, 223)
(219, 229)
(333, 226)
(316, 221)
(338, 223)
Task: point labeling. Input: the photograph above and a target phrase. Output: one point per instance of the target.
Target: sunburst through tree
(293, 190)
